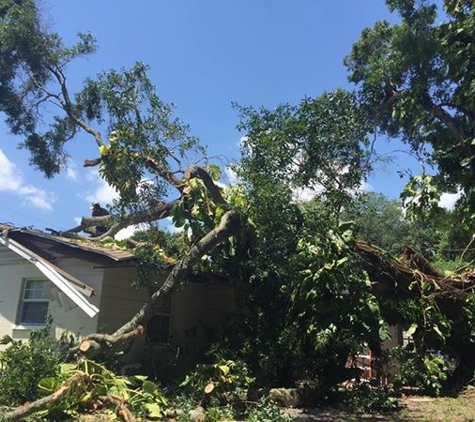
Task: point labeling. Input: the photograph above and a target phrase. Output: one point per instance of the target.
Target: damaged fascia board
(54, 276)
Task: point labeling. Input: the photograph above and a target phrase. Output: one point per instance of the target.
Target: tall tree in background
(417, 80)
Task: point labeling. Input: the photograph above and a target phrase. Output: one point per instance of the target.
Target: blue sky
(203, 55)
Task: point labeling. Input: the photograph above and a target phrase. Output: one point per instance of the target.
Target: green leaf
(439, 333)
(412, 329)
(466, 161)
(149, 387)
(224, 369)
(154, 410)
(214, 171)
(186, 381)
(48, 384)
(6, 339)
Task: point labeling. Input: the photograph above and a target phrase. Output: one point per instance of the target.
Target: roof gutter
(52, 273)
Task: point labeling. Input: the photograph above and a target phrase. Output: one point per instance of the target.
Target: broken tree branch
(92, 344)
(228, 226)
(159, 212)
(201, 173)
(45, 402)
(398, 280)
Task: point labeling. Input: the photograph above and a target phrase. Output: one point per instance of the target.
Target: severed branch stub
(92, 344)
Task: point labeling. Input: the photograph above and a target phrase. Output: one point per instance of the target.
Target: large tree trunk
(228, 226)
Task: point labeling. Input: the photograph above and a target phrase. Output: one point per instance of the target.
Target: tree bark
(91, 345)
(48, 401)
(202, 174)
(228, 226)
(159, 212)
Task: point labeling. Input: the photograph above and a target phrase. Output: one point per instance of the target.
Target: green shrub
(226, 381)
(265, 411)
(426, 373)
(363, 398)
(24, 363)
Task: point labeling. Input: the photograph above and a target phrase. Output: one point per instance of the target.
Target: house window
(158, 328)
(34, 304)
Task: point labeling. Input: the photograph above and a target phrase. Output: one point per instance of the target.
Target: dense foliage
(306, 300)
(416, 78)
(24, 364)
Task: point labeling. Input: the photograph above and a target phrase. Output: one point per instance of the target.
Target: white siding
(66, 316)
(11, 277)
(120, 301)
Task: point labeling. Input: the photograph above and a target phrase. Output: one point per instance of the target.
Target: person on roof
(98, 211)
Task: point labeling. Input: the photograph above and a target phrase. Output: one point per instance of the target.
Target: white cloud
(365, 187)
(308, 193)
(11, 179)
(129, 231)
(231, 175)
(37, 198)
(104, 193)
(448, 200)
(72, 172)
(169, 226)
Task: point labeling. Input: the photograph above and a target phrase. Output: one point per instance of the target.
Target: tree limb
(201, 173)
(45, 402)
(159, 212)
(228, 226)
(91, 344)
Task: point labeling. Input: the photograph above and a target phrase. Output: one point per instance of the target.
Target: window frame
(23, 300)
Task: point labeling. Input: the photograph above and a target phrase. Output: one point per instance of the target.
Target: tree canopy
(416, 80)
(312, 292)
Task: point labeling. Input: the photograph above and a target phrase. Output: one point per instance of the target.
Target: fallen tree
(447, 298)
(144, 155)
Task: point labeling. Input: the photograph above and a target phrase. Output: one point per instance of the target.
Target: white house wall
(120, 300)
(11, 278)
(65, 318)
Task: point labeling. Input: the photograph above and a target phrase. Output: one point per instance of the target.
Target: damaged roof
(53, 247)
(41, 250)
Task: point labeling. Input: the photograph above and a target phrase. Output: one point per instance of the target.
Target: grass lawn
(414, 409)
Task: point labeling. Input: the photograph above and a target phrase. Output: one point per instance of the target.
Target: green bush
(24, 363)
(226, 381)
(363, 398)
(426, 373)
(265, 411)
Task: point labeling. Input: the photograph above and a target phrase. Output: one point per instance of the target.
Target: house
(87, 288)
